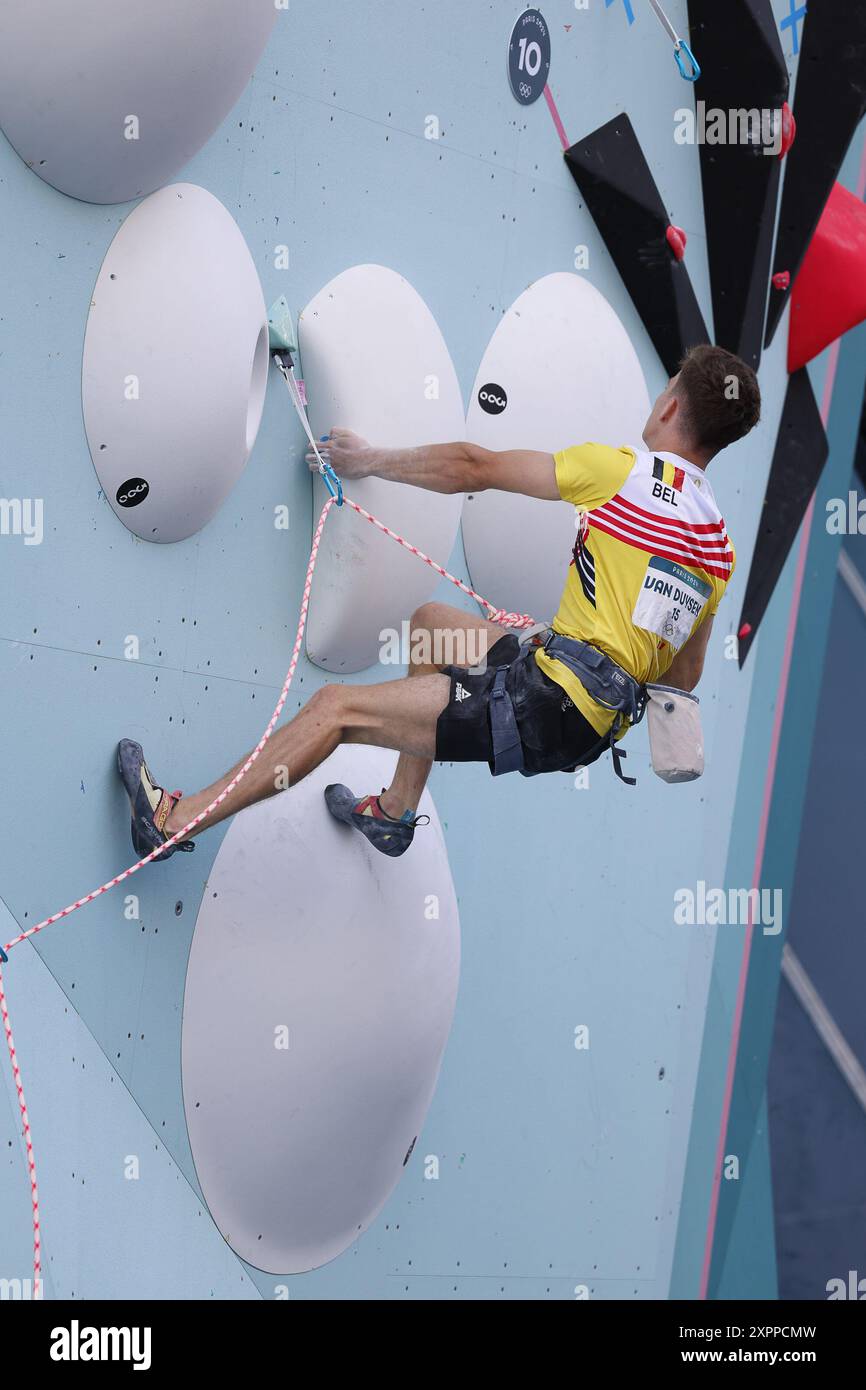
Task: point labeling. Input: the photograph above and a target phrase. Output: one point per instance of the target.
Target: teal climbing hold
(281, 327)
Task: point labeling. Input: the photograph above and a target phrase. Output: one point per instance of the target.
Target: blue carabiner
(683, 48)
(4, 959)
(332, 483)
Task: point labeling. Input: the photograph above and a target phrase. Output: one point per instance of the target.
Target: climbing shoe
(389, 836)
(151, 805)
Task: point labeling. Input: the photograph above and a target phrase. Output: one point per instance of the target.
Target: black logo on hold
(133, 492)
(409, 1154)
(492, 398)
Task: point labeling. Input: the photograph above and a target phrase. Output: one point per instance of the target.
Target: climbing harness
(504, 733)
(606, 683)
(682, 52)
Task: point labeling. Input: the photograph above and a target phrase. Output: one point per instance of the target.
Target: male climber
(649, 569)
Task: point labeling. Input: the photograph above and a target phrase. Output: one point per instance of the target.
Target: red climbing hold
(789, 130)
(829, 295)
(677, 241)
(782, 280)
(745, 631)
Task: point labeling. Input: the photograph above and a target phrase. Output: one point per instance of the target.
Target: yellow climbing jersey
(651, 563)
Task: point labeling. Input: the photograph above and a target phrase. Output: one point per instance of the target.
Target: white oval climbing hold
(107, 99)
(559, 370)
(175, 363)
(319, 995)
(374, 361)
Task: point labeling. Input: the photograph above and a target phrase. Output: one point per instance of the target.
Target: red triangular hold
(829, 294)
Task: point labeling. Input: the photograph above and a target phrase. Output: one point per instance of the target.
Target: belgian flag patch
(669, 474)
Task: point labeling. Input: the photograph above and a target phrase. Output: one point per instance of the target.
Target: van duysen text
(739, 126)
(729, 907)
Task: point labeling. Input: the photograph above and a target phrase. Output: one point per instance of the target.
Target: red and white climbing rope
(28, 1140)
(495, 615)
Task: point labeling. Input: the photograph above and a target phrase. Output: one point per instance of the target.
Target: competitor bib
(670, 602)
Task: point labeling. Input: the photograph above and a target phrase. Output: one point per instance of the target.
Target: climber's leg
(441, 636)
(401, 714)
(398, 714)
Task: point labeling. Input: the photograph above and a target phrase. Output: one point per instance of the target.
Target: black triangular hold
(798, 462)
(743, 69)
(829, 103)
(610, 169)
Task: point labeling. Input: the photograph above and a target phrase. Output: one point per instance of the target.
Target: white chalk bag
(675, 734)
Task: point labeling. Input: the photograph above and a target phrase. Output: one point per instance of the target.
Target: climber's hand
(349, 455)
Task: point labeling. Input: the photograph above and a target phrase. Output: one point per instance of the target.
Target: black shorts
(554, 734)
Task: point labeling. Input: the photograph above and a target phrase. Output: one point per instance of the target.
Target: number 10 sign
(529, 57)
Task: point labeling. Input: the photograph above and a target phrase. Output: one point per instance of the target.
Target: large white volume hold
(108, 99)
(175, 363)
(559, 370)
(375, 362)
(320, 990)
